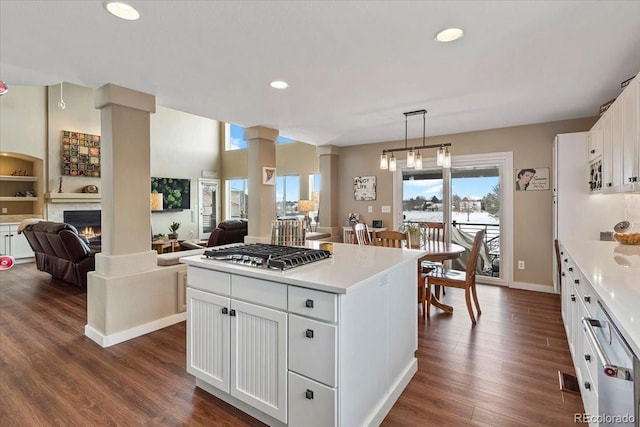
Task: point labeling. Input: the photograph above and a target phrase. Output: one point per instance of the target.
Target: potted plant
(174, 230)
(414, 233)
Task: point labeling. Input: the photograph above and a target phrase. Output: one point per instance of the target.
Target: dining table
(437, 252)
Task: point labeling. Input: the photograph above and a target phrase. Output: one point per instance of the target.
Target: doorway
(208, 206)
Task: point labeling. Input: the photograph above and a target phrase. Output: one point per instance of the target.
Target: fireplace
(87, 223)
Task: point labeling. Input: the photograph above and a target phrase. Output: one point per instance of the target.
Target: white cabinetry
(237, 346)
(578, 301)
(14, 244)
(615, 138)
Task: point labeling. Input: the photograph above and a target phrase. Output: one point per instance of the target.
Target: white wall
(182, 146)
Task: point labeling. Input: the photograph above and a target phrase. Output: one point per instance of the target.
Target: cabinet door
(630, 134)
(5, 240)
(594, 141)
(615, 163)
(208, 337)
(259, 358)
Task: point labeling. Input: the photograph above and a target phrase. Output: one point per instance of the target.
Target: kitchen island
(331, 343)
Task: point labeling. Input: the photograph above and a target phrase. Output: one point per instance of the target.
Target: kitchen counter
(330, 343)
(613, 271)
(348, 268)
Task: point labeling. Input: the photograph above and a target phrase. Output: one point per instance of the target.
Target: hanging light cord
(61, 104)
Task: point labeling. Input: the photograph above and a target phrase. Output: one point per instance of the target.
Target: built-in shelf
(168, 210)
(73, 197)
(18, 199)
(17, 178)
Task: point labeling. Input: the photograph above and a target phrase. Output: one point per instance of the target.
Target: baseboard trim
(394, 393)
(117, 338)
(533, 287)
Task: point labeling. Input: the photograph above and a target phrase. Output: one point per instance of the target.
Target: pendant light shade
(392, 164)
(440, 156)
(384, 161)
(446, 161)
(411, 159)
(418, 161)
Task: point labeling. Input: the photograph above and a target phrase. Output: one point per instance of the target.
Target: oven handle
(609, 369)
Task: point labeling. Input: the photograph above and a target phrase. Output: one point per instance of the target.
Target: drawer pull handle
(232, 313)
(587, 357)
(566, 260)
(592, 151)
(563, 274)
(308, 303)
(587, 385)
(309, 333)
(573, 297)
(308, 394)
(225, 310)
(570, 268)
(577, 282)
(587, 299)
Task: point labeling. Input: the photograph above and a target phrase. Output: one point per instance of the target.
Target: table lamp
(306, 206)
(156, 201)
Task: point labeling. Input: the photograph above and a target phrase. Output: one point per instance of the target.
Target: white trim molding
(122, 336)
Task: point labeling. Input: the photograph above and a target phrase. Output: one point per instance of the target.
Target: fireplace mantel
(73, 197)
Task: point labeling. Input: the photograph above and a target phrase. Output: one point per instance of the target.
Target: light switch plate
(386, 209)
(370, 209)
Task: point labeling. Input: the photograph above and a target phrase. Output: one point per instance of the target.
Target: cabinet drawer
(262, 292)
(311, 404)
(589, 360)
(312, 303)
(209, 280)
(313, 349)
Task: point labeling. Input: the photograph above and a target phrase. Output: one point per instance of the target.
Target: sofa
(229, 231)
(60, 251)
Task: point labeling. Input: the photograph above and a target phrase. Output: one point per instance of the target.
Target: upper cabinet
(614, 143)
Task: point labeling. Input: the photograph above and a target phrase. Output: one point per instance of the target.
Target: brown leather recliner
(60, 251)
(229, 231)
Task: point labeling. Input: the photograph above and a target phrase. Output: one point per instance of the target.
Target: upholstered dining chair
(456, 279)
(361, 234)
(391, 239)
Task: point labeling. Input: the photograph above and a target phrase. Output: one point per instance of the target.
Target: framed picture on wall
(531, 179)
(269, 176)
(80, 154)
(364, 187)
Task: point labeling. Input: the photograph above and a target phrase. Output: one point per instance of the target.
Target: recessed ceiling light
(122, 10)
(449, 35)
(279, 84)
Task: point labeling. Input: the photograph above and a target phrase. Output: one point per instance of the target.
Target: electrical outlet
(520, 265)
(4, 210)
(370, 209)
(386, 209)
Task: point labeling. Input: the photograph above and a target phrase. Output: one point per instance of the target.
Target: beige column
(328, 162)
(262, 197)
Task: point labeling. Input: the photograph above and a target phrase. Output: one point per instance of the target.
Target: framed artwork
(364, 187)
(531, 179)
(80, 154)
(269, 176)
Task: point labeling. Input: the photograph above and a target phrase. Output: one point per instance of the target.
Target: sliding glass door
(468, 197)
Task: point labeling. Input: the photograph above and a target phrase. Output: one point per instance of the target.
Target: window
(234, 138)
(287, 195)
(237, 198)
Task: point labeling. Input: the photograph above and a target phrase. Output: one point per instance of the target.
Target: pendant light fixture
(414, 157)
(61, 104)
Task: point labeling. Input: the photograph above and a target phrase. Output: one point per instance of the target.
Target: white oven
(617, 369)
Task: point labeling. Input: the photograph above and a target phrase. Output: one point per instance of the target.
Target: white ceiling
(353, 66)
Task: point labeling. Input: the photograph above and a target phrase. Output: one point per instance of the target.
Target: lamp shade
(156, 201)
(306, 205)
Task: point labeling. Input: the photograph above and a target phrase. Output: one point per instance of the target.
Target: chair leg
(467, 296)
(427, 299)
(475, 298)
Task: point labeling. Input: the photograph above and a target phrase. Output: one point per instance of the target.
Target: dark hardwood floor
(503, 372)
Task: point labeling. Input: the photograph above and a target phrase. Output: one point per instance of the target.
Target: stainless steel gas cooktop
(268, 256)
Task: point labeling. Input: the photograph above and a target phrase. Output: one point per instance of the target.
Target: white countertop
(613, 270)
(349, 266)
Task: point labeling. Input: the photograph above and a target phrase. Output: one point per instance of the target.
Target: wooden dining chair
(361, 234)
(432, 232)
(456, 279)
(391, 239)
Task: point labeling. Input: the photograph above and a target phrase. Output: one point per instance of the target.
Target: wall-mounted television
(176, 192)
